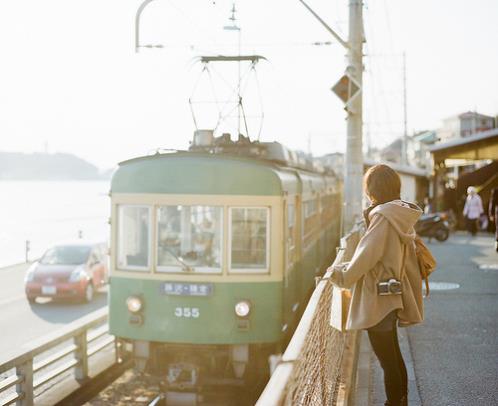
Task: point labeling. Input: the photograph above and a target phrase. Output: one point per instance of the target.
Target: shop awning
(475, 147)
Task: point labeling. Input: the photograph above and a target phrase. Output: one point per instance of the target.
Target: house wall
(408, 187)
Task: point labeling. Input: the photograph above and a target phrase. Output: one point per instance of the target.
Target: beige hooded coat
(378, 258)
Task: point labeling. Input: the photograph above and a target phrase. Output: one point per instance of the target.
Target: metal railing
(82, 339)
(318, 366)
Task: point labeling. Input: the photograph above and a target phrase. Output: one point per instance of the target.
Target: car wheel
(31, 299)
(89, 291)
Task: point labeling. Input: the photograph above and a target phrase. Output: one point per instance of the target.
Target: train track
(126, 387)
(95, 385)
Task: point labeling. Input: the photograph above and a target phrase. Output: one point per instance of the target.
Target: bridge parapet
(318, 366)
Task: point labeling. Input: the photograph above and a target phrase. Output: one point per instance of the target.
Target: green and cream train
(214, 253)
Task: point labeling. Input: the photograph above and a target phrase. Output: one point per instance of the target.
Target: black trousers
(471, 225)
(385, 344)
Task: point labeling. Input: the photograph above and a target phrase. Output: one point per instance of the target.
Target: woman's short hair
(382, 184)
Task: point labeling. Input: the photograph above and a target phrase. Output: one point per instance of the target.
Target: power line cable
(375, 74)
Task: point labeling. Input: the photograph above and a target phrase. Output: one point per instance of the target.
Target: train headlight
(134, 304)
(243, 308)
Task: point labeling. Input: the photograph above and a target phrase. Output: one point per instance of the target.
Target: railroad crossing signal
(347, 89)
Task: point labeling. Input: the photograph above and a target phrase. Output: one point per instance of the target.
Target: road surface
(21, 323)
(455, 351)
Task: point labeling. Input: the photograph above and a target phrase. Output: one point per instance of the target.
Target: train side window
(309, 208)
(249, 239)
(327, 205)
(310, 216)
(134, 237)
(189, 238)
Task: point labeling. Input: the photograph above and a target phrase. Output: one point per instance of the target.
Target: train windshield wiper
(185, 267)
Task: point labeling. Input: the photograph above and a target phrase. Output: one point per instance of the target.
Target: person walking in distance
(493, 213)
(384, 277)
(472, 209)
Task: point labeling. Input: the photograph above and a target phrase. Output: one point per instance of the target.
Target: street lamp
(137, 28)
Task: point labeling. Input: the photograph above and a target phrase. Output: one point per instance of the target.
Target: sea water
(50, 212)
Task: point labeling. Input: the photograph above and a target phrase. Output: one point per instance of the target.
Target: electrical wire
(195, 24)
(260, 103)
(376, 81)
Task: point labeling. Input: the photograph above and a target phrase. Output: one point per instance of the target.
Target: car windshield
(66, 255)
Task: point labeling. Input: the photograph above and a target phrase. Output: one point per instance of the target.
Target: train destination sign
(187, 289)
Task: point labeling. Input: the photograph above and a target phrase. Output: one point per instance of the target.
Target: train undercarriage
(188, 374)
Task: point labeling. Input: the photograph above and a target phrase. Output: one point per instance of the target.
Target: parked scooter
(434, 225)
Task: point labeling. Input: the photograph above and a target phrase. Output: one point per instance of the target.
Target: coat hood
(401, 215)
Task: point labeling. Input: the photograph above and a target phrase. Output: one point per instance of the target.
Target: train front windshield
(189, 236)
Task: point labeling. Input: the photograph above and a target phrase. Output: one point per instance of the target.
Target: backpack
(426, 261)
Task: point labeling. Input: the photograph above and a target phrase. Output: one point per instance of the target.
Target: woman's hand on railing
(336, 273)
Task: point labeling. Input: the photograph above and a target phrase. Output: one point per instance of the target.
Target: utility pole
(353, 194)
(404, 146)
(349, 90)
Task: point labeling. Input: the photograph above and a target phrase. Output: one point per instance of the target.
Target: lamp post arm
(137, 24)
(327, 27)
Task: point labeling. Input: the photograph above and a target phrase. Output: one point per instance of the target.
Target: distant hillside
(41, 166)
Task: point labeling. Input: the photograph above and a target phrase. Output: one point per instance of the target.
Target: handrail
(65, 333)
(277, 390)
(25, 368)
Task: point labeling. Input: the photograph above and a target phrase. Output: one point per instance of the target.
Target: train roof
(205, 172)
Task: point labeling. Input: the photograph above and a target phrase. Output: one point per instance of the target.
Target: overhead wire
(234, 91)
(388, 25)
(260, 103)
(215, 95)
(195, 24)
(190, 99)
(222, 112)
(377, 83)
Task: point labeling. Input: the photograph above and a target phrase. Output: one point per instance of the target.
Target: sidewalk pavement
(452, 358)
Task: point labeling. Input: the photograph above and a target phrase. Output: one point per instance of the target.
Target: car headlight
(134, 304)
(243, 308)
(78, 274)
(30, 275)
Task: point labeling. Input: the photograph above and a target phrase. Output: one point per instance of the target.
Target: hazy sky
(69, 76)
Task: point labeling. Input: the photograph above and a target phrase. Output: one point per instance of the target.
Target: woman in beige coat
(384, 277)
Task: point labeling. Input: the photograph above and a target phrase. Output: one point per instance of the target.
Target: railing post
(81, 354)
(25, 388)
